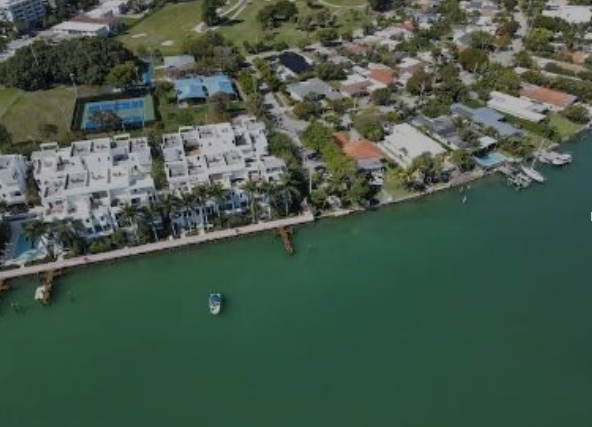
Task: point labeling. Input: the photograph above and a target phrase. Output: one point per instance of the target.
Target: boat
(215, 303)
(533, 174)
(554, 158)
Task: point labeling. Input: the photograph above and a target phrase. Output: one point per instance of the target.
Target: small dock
(515, 177)
(286, 236)
(43, 293)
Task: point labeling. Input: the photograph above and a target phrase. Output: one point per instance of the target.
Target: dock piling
(285, 235)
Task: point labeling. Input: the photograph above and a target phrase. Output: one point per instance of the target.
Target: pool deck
(156, 247)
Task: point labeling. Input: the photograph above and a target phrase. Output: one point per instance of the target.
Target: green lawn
(246, 27)
(565, 127)
(173, 23)
(23, 113)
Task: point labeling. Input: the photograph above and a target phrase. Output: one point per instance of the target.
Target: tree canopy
(85, 60)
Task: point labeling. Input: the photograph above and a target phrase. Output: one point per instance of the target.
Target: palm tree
(217, 192)
(132, 215)
(252, 190)
(187, 204)
(35, 230)
(289, 190)
(63, 230)
(150, 215)
(270, 192)
(200, 193)
(168, 204)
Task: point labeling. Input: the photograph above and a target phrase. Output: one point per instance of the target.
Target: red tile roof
(548, 96)
(382, 75)
(362, 150)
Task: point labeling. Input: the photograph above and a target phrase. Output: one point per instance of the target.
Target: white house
(13, 179)
(517, 107)
(569, 13)
(226, 153)
(89, 181)
(80, 29)
(405, 143)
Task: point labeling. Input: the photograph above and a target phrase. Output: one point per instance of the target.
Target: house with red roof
(551, 99)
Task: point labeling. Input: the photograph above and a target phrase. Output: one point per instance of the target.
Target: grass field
(246, 27)
(23, 113)
(173, 23)
(566, 128)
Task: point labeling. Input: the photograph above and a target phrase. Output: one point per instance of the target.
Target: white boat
(215, 303)
(533, 174)
(556, 159)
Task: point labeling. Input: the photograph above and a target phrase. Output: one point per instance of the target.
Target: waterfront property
(90, 181)
(405, 143)
(487, 118)
(518, 107)
(13, 179)
(229, 154)
(550, 99)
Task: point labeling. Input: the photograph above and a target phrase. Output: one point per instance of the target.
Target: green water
(425, 314)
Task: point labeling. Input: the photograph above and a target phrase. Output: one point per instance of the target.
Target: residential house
(571, 14)
(406, 143)
(365, 153)
(291, 64)
(13, 179)
(487, 118)
(313, 87)
(550, 99)
(521, 108)
(82, 29)
(200, 88)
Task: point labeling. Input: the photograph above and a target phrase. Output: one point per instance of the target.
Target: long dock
(285, 235)
(156, 247)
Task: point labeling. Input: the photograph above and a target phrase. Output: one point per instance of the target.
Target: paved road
(505, 57)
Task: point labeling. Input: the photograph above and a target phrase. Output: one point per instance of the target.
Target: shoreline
(220, 235)
(229, 234)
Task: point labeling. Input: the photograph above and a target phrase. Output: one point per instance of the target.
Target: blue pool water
(22, 246)
(491, 159)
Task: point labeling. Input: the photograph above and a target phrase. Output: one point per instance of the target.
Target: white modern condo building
(227, 153)
(25, 11)
(13, 179)
(89, 181)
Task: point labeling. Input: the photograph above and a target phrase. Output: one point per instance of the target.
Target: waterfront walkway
(155, 247)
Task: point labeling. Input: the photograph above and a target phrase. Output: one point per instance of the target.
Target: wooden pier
(286, 236)
(44, 292)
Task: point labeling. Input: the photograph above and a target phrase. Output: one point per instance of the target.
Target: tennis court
(133, 112)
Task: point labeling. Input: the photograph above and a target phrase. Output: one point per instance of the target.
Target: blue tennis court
(132, 112)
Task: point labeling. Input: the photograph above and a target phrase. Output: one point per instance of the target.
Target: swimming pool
(21, 249)
(491, 160)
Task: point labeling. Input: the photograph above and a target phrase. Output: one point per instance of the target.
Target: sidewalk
(156, 247)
